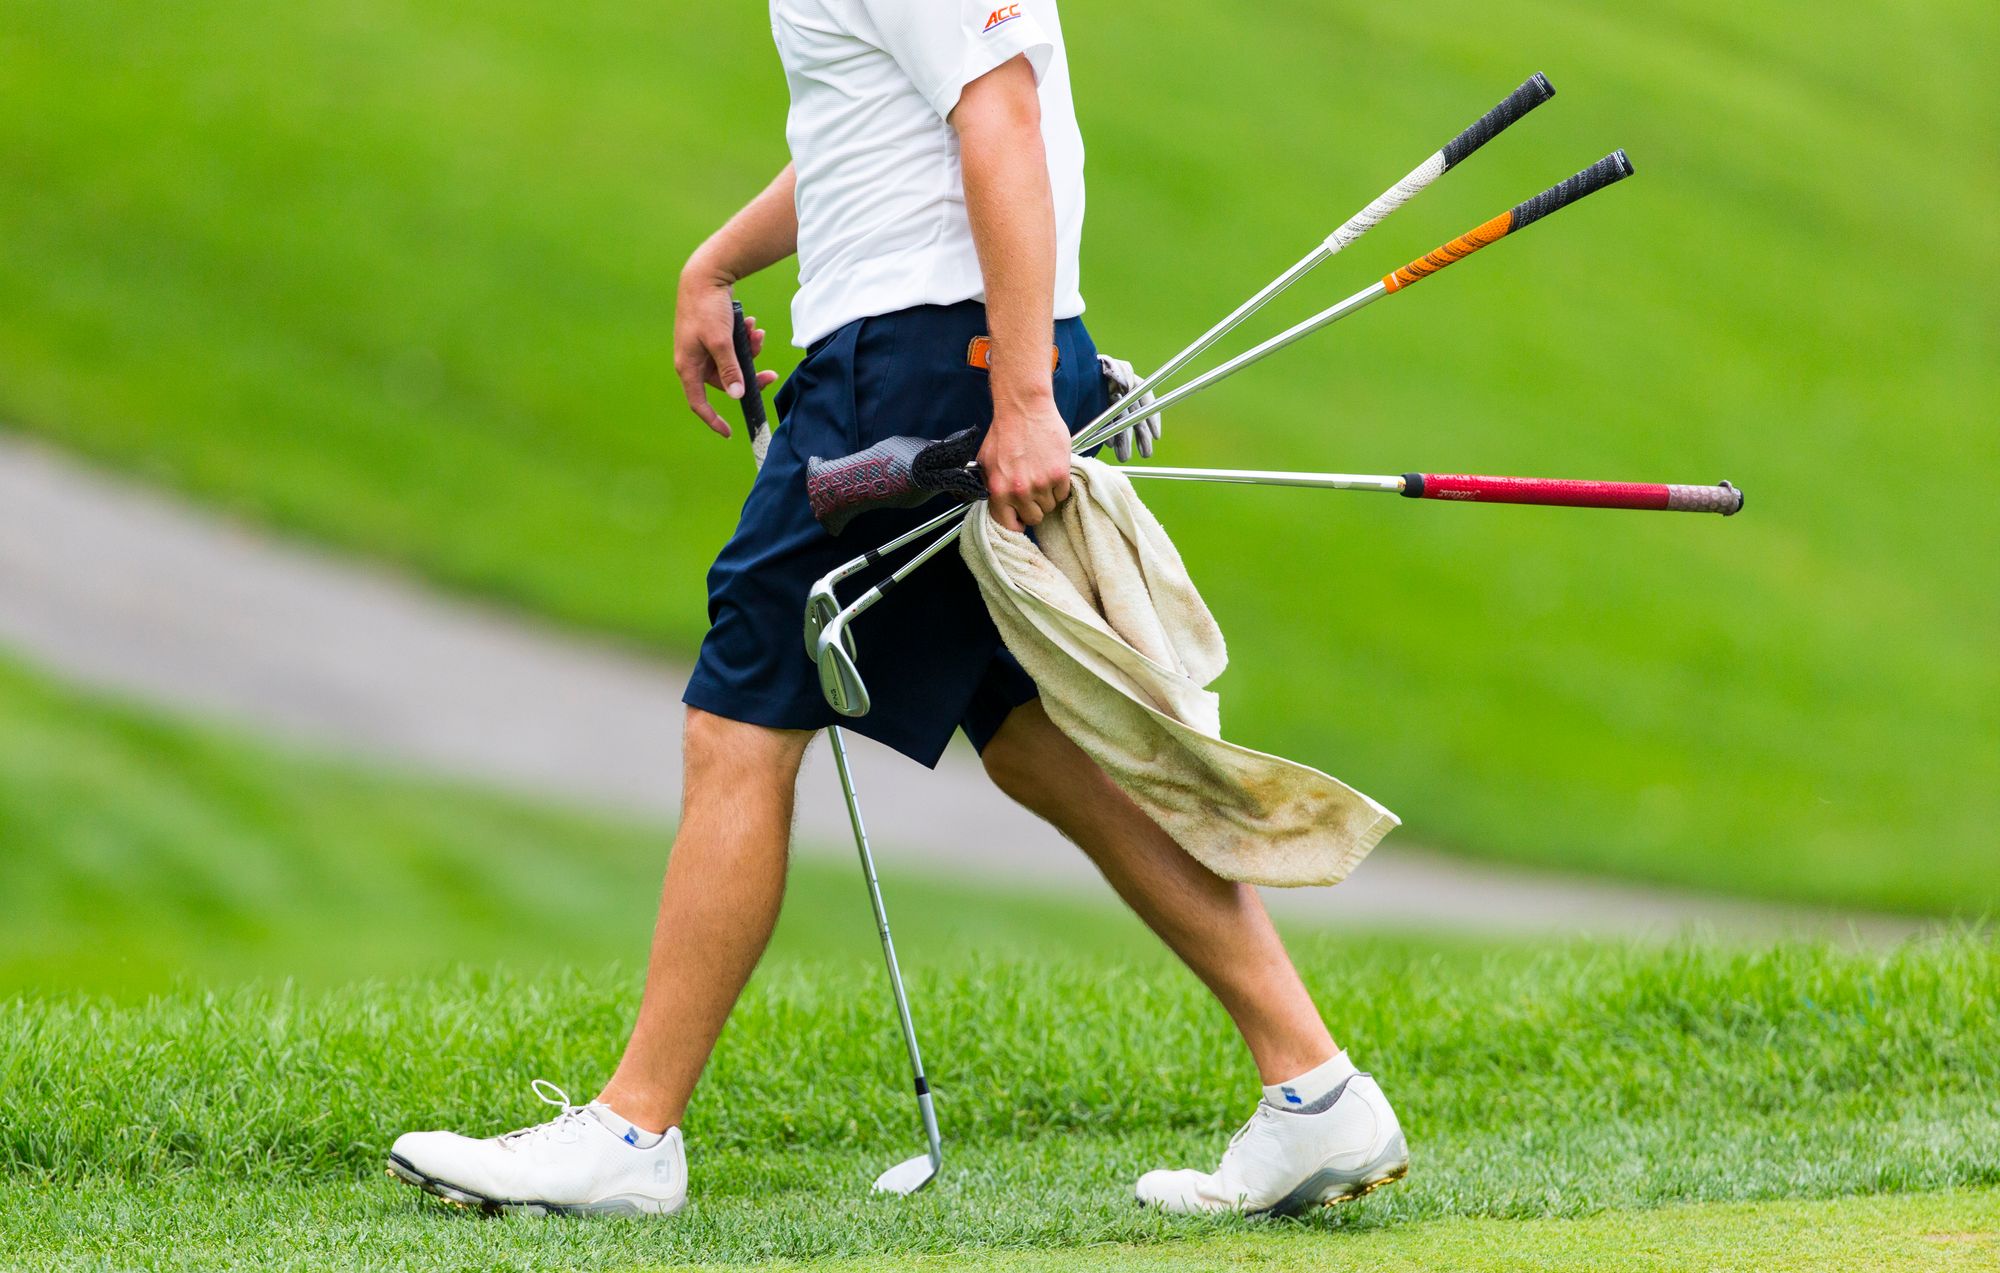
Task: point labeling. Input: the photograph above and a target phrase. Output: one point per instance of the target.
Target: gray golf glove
(1120, 380)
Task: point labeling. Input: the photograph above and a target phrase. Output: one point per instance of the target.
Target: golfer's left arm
(765, 232)
(1012, 212)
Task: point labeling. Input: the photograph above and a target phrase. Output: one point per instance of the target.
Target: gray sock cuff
(1323, 1104)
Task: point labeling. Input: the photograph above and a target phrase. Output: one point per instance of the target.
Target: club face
(819, 612)
(821, 607)
(839, 680)
(908, 1176)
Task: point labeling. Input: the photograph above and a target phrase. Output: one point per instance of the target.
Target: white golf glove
(1119, 381)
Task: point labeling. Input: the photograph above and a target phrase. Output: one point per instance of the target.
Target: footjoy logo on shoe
(999, 16)
(1291, 1097)
(632, 1136)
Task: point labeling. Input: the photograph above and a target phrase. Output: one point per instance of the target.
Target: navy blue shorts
(930, 655)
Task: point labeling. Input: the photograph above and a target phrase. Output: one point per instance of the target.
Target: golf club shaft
(1257, 353)
(1271, 477)
(867, 599)
(1532, 93)
(1613, 167)
(853, 797)
(881, 551)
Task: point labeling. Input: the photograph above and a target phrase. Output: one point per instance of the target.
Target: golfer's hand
(1026, 457)
(705, 345)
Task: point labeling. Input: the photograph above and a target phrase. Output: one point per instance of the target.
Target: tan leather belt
(980, 354)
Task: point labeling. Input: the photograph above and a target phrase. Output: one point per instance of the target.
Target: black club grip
(1532, 93)
(1613, 167)
(753, 398)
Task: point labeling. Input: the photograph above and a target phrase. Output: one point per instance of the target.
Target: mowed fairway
(399, 274)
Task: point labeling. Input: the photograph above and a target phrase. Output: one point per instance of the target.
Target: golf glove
(1120, 380)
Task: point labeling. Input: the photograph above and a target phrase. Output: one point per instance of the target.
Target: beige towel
(1103, 615)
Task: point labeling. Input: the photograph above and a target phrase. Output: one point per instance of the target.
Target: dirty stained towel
(1100, 611)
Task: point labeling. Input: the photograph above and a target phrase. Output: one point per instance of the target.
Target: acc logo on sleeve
(1007, 14)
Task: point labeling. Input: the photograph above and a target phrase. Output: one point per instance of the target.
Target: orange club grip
(1456, 250)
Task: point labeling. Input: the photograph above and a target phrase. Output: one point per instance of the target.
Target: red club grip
(1567, 493)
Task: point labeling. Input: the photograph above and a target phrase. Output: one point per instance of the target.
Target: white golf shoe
(573, 1164)
(1286, 1160)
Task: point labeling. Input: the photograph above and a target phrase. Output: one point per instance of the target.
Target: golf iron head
(839, 680)
(908, 1176)
(821, 607)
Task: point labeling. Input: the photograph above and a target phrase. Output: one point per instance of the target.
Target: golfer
(935, 203)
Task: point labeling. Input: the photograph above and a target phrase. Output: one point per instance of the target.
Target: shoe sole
(1329, 1188)
(402, 1169)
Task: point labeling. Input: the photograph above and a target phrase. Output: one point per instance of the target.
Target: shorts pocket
(818, 417)
(877, 379)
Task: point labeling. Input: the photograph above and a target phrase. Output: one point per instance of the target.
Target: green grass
(399, 274)
(136, 851)
(1557, 1083)
(341, 1225)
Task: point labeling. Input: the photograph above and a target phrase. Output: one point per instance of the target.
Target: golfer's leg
(1218, 928)
(725, 882)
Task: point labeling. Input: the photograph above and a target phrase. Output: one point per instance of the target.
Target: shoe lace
(564, 1123)
(1258, 1117)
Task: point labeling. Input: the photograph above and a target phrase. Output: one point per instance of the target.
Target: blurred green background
(399, 275)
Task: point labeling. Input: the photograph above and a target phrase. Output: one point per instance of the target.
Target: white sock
(637, 1137)
(1313, 1085)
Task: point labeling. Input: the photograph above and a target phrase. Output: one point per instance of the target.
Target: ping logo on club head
(1291, 1097)
(998, 16)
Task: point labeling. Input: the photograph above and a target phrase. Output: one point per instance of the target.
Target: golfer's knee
(1023, 753)
(1009, 768)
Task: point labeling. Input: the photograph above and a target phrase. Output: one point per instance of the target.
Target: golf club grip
(1532, 93)
(1466, 488)
(746, 362)
(1613, 167)
(1482, 130)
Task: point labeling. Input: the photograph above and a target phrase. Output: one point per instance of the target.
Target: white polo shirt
(881, 200)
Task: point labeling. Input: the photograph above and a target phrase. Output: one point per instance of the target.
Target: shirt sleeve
(943, 45)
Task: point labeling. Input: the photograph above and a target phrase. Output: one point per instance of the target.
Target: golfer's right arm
(1012, 216)
(765, 232)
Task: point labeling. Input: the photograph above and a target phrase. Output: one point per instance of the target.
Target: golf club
(822, 603)
(840, 680)
(911, 1174)
(1724, 497)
